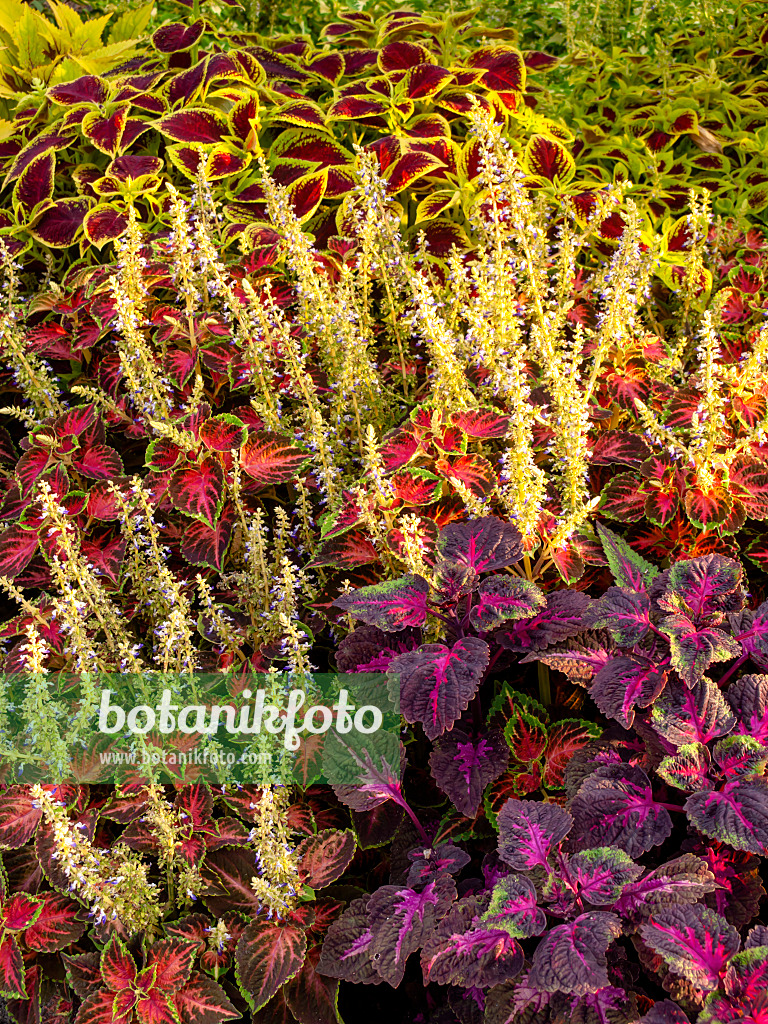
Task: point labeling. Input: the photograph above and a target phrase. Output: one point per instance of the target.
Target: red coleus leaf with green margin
(196, 489)
(346, 551)
(708, 508)
(436, 683)
(17, 548)
(201, 545)
(416, 486)
(548, 158)
(483, 424)
(104, 223)
(223, 433)
(695, 943)
(176, 38)
(106, 131)
(615, 806)
(467, 951)
(619, 446)
(35, 184)
(426, 81)
(87, 89)
(195, 124)
(572, 957)
(98, 462)
(391, 605)
(268, 955)
(324, 857)
(270, 458)
(400, 919)
(306, 194)
(12, 971)
(504, 68)
(529, 831)
(463, 766)
(203, 1001)
(59, 225)
(57, 925)
(19, 817)
(408, 168)
(624, 499)
(473, 471)
(499, 598)
(564, 739)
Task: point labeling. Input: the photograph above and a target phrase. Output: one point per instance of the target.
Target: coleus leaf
(696, 715)
(623, 683)
(688, 768)
(310, 996)
(463, 766)
(743, 995)
(197, 489)
(629, 569)
(464, 950)
(665, 1012)
(172, 959)
(513, 908)
(378, 777)
(694, 649)
(561, 618)
(400, 919)
(687, 879)
(529, 831)
(270, 458)
(203, 1001)
(436, 683)
(572, 957)
(391, 605)
(482, 544)
(268, 955)
(428, 863)
(12, 971)
(694, 942)
(615, 806)
(57, 926)
(624, 613)
(701, 587)
(17, 549)
(736, 814)
(346, 951)
(748, 700)
(223, 433)
(740, 755)
(504, 597)
(201, 545)
(324, 857)
(602, 874)
(481, 423)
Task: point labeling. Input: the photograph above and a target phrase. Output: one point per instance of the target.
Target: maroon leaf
(201, 545)
(268, 955)
(196, 489)
(324, 857)
(463, 767)
(195, 124)
(58, 225)
(271, 458)
(99, 462)
(203, 1001)
(17, 548)
(57, 926)
(615, 806)
(572, 957)
(482, 544)
(35, 183)
(176, 38)
(529, 831)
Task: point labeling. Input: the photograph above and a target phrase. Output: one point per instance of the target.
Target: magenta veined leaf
(436, 683)
(736, 814)
(629, 569)
(572, 957)
(464, 950)
(624, 683)
(702, 586)
(693, 649)
(197, 489)
(561, 618)
(503, 597)
(271, 458)
(482, 544)
(463, 766)
(268, 955)
(513, 908)
(743, 995)
(696, 715)
(748, 700)
(686, 879)
(688, 768)
(624, 613)
(602, 874)
(529, 831)
(391, 605)
(695, 942)
(347, 951)
(615, 806)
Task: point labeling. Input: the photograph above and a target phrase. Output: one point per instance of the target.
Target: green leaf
(131, 24)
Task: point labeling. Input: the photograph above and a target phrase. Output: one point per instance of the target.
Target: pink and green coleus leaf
(615, 806)
(630, 570)
(466, 950)
(391, 605)
(748, 700)
(624, 683)
(268, 955)
(694, 942)
(400, 920)
(688, 768)
(529, 831)
(572, 957)
(698, 714)
(687, 879)
(693, 649)
(436, 683)
(560, 619)
(736, 814)
(601, 875)
(626, 614)
(514, 909)
(504, 597)
(702, 587)
(463, 766)
(743, 995)
(346, 951)
(482, 544)
(740, 755)
(196, 489)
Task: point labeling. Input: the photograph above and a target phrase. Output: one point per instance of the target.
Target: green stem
(545, 691)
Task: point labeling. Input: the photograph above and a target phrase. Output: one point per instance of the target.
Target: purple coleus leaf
(686, 879)
(740, 755)
(560, 619)
(695, 942)
(601, 875)
(748, 700)
(572, 957)
(665, 1012)
(504, 597)
(696, 715)
(701, 587)
(514, 909)
(401, 919)
(743, 995)
(370, 649)
(436, 683)
(463, 766)
(368, 777)
(624, 613)
(752, 634)
(628, 569)
(615, 806)
(346, 949)
(462, 950)
(428, 863)
(482, 544)
(625, 683)
(577, 659)
(688, 768)
(529, 831)
(736, 814)
(693, 649)
(392, 605)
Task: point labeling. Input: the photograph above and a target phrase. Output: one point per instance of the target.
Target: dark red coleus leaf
(463, 766)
